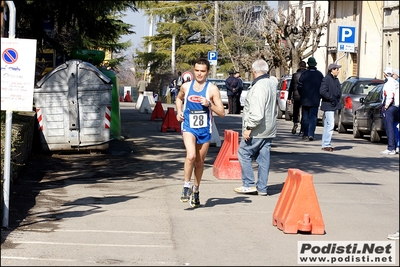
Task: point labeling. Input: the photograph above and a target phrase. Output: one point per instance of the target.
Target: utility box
(73, 108)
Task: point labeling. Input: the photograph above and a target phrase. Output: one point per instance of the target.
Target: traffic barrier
(297, 208)
(170, 122)
(226, 165)
(128, 97)
(215, 139)
(145, 106)
(121, 99)
(158, 112)
(151, 97)
(139, 101)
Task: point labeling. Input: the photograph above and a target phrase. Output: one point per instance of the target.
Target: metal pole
(173, 50)
(149, 48)
(216, 14)
(7, 148)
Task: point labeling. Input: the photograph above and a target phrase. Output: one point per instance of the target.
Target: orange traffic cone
(158, 112)
(170, 122)
(128, 97)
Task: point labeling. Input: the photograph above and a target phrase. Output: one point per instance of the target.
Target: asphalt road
(122, 207)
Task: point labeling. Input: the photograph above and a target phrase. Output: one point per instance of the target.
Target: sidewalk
(123, 208)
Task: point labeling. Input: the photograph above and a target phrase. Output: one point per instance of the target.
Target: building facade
(376, 40)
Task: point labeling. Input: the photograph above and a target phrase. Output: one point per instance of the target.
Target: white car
(282, 93)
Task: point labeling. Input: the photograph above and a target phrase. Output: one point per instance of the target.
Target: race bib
(198, 119)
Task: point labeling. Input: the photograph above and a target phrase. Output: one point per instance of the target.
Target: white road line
(39, 259)
(93, 245)
(89, 231)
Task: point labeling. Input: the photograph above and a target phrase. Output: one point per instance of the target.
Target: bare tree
(291, 38)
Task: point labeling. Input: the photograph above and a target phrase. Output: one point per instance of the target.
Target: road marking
(91, 231)
(92, 245)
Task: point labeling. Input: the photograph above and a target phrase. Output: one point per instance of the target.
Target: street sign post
(213, 57)
(346, 39)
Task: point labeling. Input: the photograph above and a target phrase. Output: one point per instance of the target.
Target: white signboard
(18, 58)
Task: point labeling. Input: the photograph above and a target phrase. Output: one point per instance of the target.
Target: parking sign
(212, 57)
(346, 39)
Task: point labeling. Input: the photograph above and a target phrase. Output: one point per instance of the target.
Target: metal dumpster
(73, 108)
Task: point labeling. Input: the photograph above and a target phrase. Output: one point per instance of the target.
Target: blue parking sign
(212, 56)
(346, 38)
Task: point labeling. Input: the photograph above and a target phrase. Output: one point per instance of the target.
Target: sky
(142, 26)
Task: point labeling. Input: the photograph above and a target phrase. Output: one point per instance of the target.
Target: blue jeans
(329, 126)
(258, 149)
(309, 120)
(390, 115)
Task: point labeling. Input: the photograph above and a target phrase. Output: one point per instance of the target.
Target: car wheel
(356, 132)
(374, 136)
(340, 127)
(279, 112)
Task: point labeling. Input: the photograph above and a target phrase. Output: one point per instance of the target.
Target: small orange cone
(297, 208)
(158, 112)
(170, 122)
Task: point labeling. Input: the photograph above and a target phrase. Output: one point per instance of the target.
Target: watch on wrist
(249, 128)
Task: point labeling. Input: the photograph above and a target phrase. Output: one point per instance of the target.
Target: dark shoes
(310, 138)
(294, 129)
(330, 149)
(195, 199)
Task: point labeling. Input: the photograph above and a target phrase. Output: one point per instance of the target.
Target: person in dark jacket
(231, 84)
(294, 96)
(239, 91)
(330, 92)
(308, 87)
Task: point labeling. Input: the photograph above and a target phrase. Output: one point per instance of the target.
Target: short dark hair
(302, 64)
(202, 61)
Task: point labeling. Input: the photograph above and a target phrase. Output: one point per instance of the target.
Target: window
(308, 15)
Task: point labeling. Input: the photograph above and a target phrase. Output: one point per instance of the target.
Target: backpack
(180, 81)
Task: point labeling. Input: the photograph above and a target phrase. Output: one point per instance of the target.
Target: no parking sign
(18, 58)
(186, 75)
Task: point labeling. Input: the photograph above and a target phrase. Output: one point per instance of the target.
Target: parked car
(214, 81)
(352, 90)
(246, 86)
(222, 89)
(367, 119)
(281, 95)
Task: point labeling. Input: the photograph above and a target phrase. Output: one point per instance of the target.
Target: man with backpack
(178, 81)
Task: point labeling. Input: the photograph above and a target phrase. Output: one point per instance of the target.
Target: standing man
(294, 94)
(396, 123)
(308, 87)
(195, 103)
(390, 111)
(331, 92)
(178, 81)
(231, 84)
(258, 129)
(142, 84)
(239, 91)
